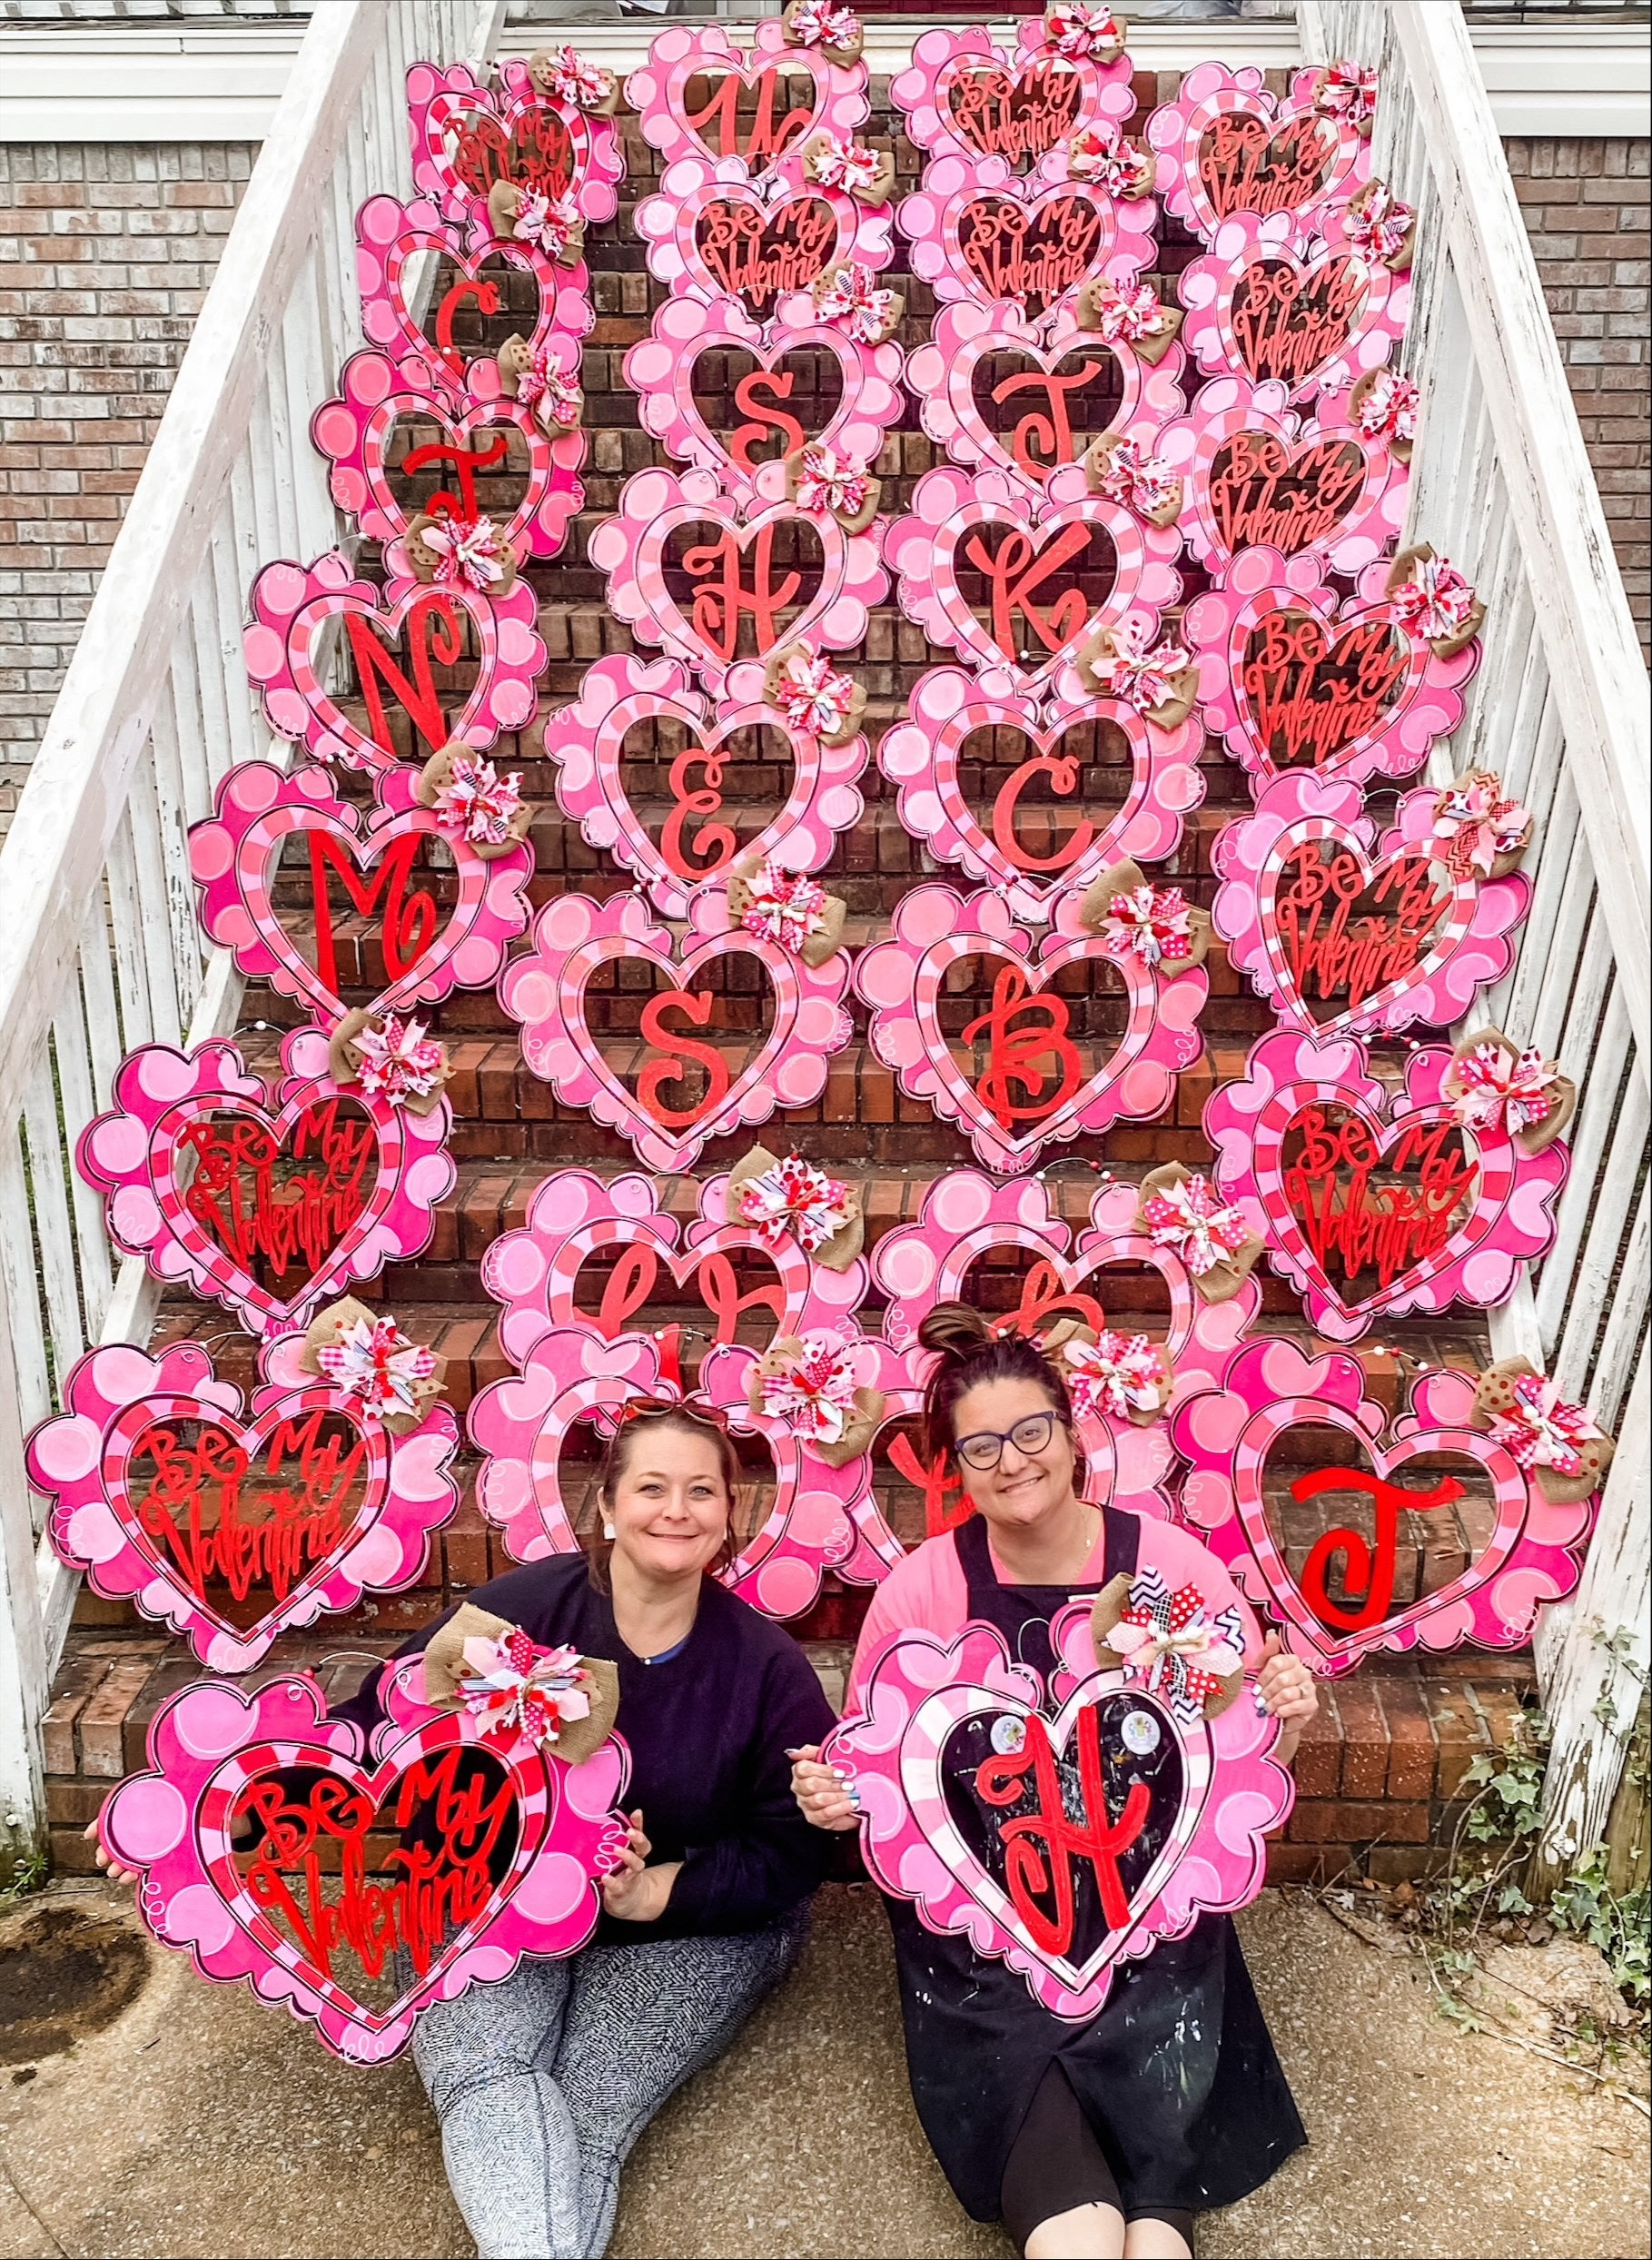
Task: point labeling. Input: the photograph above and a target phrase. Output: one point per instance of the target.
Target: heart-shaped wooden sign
(1038, 779)
(312, 898)
(1016, 588)
(396, 452)
(600, 1252)
(267, 1201)
(763, 244)
(1308, 314)
(1356, 1545)
(688, 570)
(1029, 1067)
(640, 733)
(1343, 943)
(810, 383)
(431, 664)
(1227, 147)
(233, 1530)
(395, 242)
(1377, 1203)
(1258, 478)
(1025, 398)
(468, 137)
(973, 103)
(698, 96)
(977, 232)
(1295, 682)
(261, 1827)
(710, 1059)
(958, 1754)
(966, 99)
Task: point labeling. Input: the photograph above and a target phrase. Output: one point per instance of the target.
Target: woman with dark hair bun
(1089, 2140)
(543, 2082)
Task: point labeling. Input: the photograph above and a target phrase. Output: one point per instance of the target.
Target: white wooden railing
(1501, 484)
(99, 945)
(99, 948)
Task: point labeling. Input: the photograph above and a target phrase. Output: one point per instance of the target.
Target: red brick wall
(113, 248)
(1585, 203)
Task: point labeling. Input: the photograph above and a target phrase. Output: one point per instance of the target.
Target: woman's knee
(490, 2033)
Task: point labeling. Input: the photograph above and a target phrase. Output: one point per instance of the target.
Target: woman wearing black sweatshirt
(543, 2082)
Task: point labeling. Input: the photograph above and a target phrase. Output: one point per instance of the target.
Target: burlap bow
(447, 1666)
(833, 1255)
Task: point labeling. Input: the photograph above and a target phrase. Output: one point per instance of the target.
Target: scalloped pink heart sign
(925, 758)
(1152, 1840)
(162, 1492)
(1376, 1203)
(1357, 1588)
(775, 396)
(546, 991)
(267, 1201)
(397, 641)
(966, 99)
(377, 862)
(741, 601)
(575, 1219)
(511, 1844)
(358, 434)
(1226, 146)
(468, 137)
(1343, 943)
(1293, 681)
(698, 841)
(1017, 587)
(977, 232)
(394, 240)
(1048, 411)
(699, 96)
(1020, 1076)
(1309, 315)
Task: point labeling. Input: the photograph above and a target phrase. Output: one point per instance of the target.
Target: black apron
(1176, 2075)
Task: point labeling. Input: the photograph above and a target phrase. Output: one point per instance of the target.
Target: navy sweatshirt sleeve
(708, 1729)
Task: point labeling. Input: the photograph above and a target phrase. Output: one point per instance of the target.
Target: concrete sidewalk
(200, 2123)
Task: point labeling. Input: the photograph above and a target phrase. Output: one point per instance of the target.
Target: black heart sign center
(1069, 1834)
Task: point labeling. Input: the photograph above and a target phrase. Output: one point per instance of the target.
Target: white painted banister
(99, 948)
(1502, 484)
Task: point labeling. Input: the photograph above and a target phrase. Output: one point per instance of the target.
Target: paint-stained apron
(1176, 2074)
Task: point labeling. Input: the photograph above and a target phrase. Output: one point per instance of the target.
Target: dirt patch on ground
(64, 1973)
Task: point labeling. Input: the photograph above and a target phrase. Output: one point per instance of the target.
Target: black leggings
(1055, 2164)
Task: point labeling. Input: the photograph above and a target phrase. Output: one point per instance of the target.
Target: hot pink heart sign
(163, 1492)
(393, 241)
(397, 641)
(926, 756)
(1293, 681)
(743, 600)
(918, 1749)
(1376, 1202)
(1311, 314)
(546, 991)
(467, 135)
(513, 1843)
(1319, 913)
(1016, 588)
(386, 426)
(663, 370)
(1264, 1438)
(272, 830)
(1023, 1081)
(978, 232)
(968, 100)
(1226, 146)
(268, 1202)
(698, 842)
(575, 1221)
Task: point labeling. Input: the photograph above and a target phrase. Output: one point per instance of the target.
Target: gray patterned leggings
(543, 2082)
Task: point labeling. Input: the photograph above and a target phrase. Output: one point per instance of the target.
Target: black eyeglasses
(984, 1449)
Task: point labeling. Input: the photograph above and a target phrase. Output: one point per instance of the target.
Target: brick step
(1379, 1774)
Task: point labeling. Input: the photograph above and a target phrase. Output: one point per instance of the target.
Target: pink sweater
(927, 1592)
